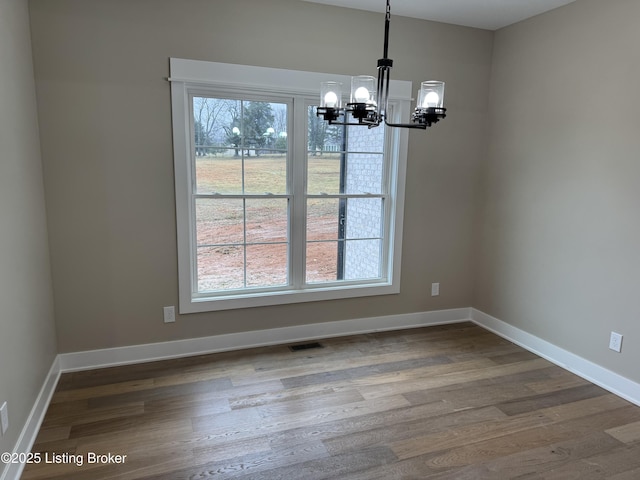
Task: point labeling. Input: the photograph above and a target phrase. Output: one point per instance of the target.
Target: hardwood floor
(450, 402)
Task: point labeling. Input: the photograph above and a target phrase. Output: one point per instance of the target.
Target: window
(345, 202)
(273, 204)
(242, 195)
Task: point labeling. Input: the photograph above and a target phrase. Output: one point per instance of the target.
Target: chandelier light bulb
(361, 95)
(363, 89)
(431, 94)
(431, 99)
(330, 95)
(330, 99)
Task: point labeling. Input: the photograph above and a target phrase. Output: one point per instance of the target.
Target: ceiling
(487, 14)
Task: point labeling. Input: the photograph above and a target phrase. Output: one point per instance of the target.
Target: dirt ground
(227, 229)
(222, 266)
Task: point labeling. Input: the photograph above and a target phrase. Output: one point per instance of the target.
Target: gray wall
(559, 250)
(105, 119)
(27, 333)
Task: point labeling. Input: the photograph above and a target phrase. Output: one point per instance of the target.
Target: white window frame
(189, 76)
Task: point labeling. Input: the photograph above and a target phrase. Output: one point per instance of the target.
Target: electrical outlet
(435, 289)
(4, 418)
(169, 314)
(615, 342)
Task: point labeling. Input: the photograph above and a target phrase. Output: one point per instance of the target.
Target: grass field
(229, 229)
(224, 174)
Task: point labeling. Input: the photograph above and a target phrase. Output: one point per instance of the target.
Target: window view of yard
(221, 228)
(242, 198)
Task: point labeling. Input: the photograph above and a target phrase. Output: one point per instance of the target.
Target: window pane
(266, 173)
(323, 173)
(363, 218)
(345, 160)
(210, 117)
(219, 221)
(362, 259)
(364, 173)
(220, 174)
(218, 165)
(220, 268)
(267, 265)
(361, 139)
(323, 137)
(322, 262)
(240, 146)
(322, 218)
(263, 133)
(267, 220)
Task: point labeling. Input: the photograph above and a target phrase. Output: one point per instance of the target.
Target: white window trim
(189, 74)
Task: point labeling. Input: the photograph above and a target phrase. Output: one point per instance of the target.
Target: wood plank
(70, 395)
(82, 416)
(411, 430)
(301, 404)
(559, 381)
(633, 474)
(255, 465)
(52, 434)
(621, 460)
(537, 402)
(440, 376)
(363, 423)
(491, 446)
(463, 435)
(160, 393)
(363, 371)
(549, 456)
(628, 433)
(218, 425)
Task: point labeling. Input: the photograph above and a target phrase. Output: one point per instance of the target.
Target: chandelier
(369, 99)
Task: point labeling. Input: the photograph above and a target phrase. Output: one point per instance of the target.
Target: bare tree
(280, 119)
(209, 113)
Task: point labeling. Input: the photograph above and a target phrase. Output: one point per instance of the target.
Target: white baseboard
(594, 373)
(70, 362)
(12, 471)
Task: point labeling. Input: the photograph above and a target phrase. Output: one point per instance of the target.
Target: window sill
(284, 297)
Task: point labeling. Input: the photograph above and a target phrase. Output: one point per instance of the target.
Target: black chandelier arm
(327, 113)
(362, 115)
(361, 111)
(421, 126)
(354, 124)
(422, 118)
(428, 116)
